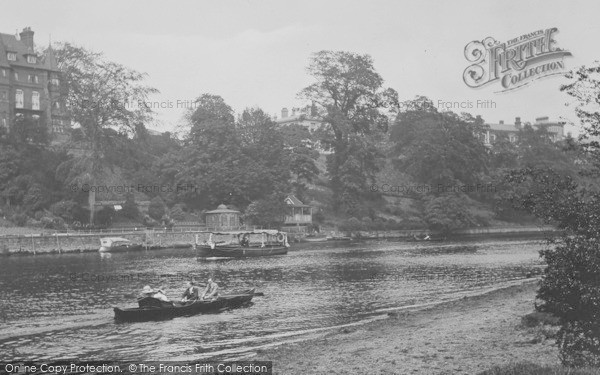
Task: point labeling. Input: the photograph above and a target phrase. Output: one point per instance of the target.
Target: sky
(254, 53)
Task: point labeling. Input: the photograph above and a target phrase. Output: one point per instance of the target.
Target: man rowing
(191, 293)
(211, 291)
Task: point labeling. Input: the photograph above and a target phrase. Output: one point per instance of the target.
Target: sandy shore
(459, 337)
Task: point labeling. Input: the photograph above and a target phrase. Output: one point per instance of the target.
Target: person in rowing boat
(147, 291)
(211, 291)
(192, 292)
(245, 241)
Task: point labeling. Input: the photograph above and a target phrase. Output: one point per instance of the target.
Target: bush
(47, 222)
(157, 208)
(570, 290)
(149, 222)
(105, 216)
(67, 210)
(447, 213)
(537, 318)
(20, 219)
(351, 225)
(177, 212)
(130, 209)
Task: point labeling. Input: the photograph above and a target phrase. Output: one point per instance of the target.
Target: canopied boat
(116, 244)
(239, 244)
(154, 309)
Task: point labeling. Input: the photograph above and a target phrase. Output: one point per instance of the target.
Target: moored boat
(315, 238)
(241, 244)
(117, 244)
(154, 309)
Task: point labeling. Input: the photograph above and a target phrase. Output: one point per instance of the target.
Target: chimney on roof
(501, 122)
(284, 112)
(518, 122)
(27, 37)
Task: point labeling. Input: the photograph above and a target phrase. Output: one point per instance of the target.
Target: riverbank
(460, 337)
(59, 243)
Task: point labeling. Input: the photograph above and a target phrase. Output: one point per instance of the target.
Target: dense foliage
(570, 287)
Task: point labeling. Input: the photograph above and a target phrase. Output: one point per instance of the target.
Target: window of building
(19, 99)
(35, 100)
(55, 81)
(11, 56)
(57, 105)
(3, 95)
(16, 76)
(3, 72)
(31, 59)
(4, 123)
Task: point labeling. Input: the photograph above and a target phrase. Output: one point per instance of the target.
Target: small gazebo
(223, 218)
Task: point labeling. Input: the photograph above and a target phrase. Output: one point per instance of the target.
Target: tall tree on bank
(438, 148)
(229, 161)
(100, 95)
(570, 287)
(352, 100)
(441, 150)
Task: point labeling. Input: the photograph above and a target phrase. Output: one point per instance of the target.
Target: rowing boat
(154, 309)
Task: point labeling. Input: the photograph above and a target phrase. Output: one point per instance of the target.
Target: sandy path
(461, 337)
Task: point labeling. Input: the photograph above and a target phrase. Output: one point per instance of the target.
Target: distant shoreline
(37, 243)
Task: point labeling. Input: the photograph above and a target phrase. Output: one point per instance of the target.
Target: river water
(60, 306)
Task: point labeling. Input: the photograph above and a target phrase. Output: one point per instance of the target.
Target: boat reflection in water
(241, 244)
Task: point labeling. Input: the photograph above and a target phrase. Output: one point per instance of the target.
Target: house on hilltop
(30, 85)
(493, 131)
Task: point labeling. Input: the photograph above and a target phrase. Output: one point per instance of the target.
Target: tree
(267, 212)
(350, 94)
(448, 212)
(130, 209)
(570, 286)
(27, 166)
(439, 148)
(100, 95)
(236, 162)
(157, 208)
(211, 159)
(177, 212)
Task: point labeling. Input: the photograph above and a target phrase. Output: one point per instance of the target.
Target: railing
(298, 219)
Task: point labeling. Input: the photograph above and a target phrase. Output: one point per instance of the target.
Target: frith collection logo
(515, 63)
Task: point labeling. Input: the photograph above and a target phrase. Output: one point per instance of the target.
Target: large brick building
(493, 131)
(30, 84)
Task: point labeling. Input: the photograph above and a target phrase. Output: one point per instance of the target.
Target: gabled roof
(291, 200)
(10, 43)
